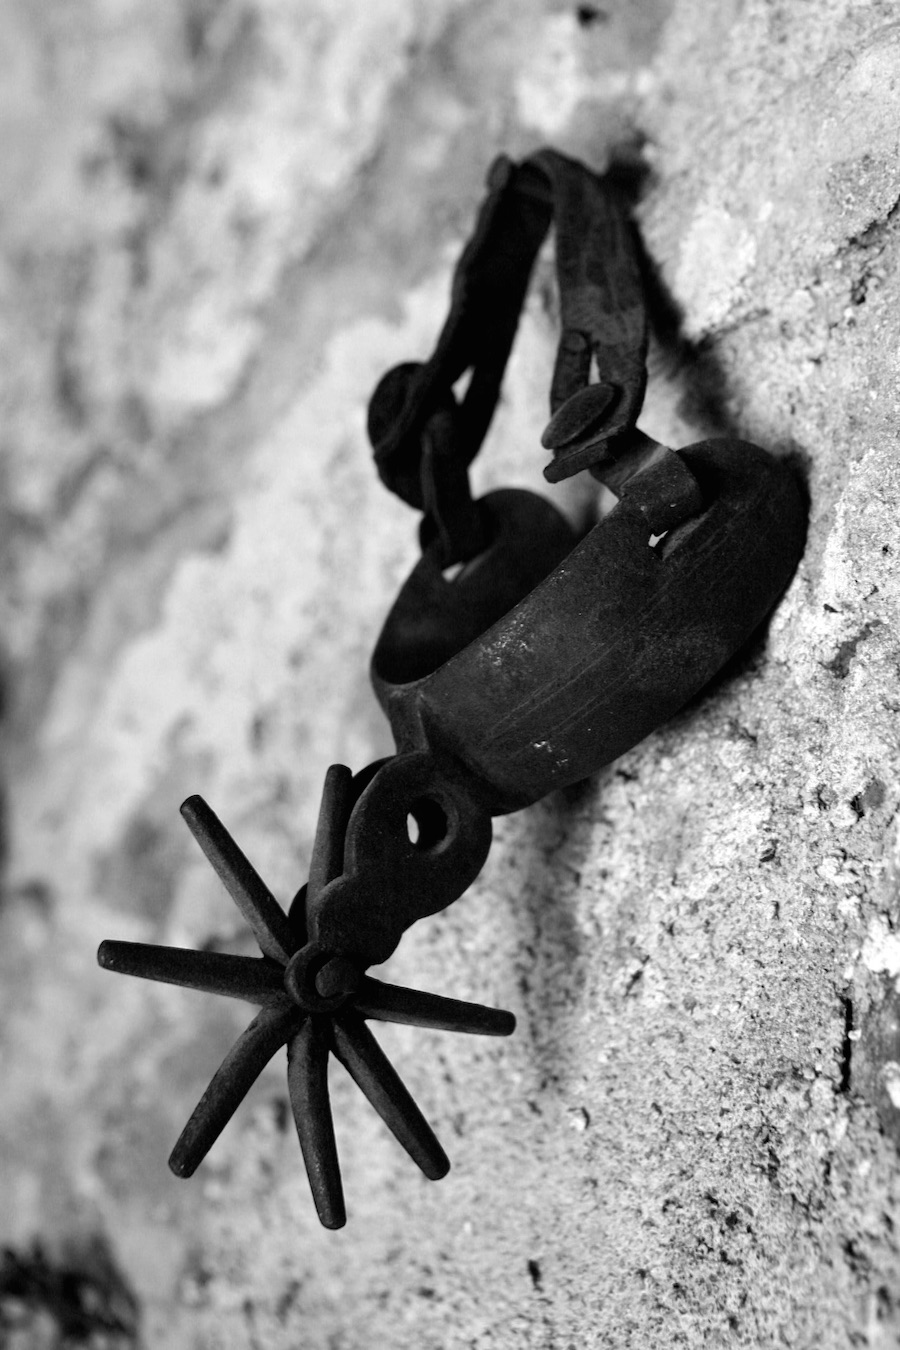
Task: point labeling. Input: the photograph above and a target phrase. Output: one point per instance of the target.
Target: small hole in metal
(461, 387)
(426, 824)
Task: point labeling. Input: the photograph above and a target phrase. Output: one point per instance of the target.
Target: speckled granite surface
(222, 222)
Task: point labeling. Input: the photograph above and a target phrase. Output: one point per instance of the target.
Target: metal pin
(376, 1077)
(237, 1073)
(308, 1087)
(241, 880)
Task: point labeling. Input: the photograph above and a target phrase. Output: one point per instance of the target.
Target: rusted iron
(297, 1011)
(517, 658)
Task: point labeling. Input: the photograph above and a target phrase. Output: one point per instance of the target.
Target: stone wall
(223, 219)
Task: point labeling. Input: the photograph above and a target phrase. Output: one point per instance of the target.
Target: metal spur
(520, 657)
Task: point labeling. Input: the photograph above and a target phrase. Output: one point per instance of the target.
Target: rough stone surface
(222, 221)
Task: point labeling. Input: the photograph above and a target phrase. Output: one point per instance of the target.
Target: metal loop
(603, 318)
(450, 513)
(489, 285)
(401, 472)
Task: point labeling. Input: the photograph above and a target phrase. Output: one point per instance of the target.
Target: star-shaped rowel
(314, 1002)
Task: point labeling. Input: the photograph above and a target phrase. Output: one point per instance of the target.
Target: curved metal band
(603, 316)
(612, 642)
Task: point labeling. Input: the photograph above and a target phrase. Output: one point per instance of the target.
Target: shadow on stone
(79, 1299)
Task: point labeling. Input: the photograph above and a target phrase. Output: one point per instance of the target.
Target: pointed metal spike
(297, 916)
(393, 1003)
(243, 883)
(240, 1068)
(246, 977)
(334, 813)
(308, 1087)
(376, 1077)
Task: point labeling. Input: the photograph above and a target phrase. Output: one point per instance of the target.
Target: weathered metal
(613, 642)
(517, 658)
(313, 1022)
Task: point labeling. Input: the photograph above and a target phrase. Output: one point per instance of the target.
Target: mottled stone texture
(221, 221)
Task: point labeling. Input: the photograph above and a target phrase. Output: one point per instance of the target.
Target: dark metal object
(296, 1011)
(541, 660)
(612, 643)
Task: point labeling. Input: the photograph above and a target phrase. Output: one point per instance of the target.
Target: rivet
(580, 415)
